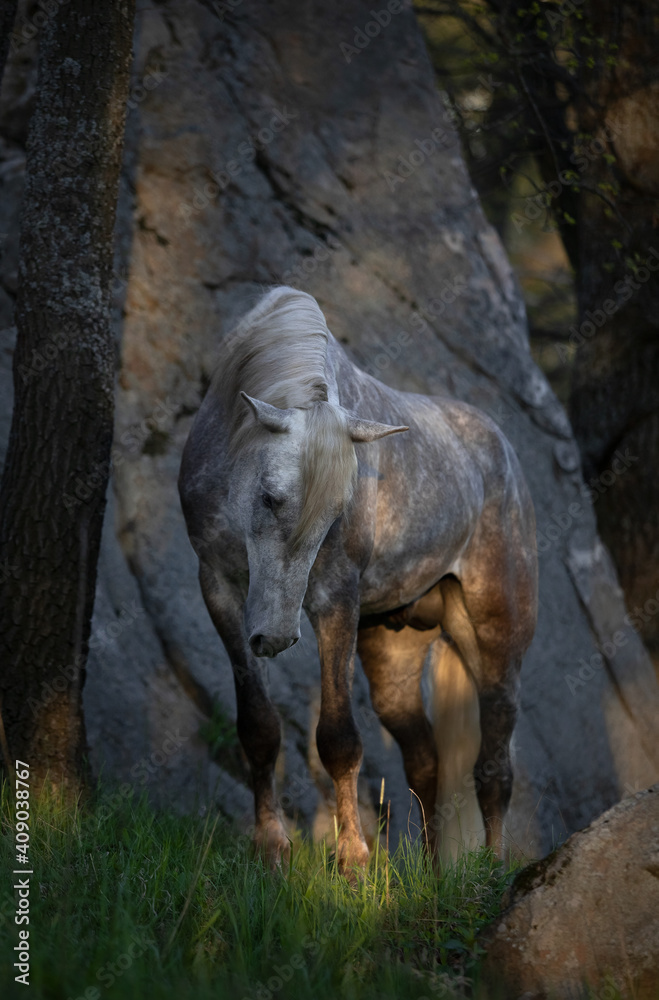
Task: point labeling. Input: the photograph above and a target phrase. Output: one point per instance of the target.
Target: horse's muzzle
(271, 645)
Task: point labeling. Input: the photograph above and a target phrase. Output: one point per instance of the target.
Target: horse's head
(290, 483)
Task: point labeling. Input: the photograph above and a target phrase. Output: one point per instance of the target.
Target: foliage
(516, 75)
(133, 903)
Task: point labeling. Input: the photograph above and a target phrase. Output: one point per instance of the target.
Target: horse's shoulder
(467, 419)
(481, 435)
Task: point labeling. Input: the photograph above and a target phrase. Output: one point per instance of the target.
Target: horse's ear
(269, 416)
(369, 430)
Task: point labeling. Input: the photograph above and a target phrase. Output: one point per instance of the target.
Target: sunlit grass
(127, 902)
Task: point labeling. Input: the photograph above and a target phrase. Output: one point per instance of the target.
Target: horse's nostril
(270, 645)
(293, 641)
(258, 645)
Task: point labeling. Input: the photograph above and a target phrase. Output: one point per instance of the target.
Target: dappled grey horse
(300, 490)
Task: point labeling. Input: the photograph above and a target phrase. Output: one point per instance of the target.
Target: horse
(403, 525)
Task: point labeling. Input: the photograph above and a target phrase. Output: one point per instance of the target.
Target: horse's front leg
(337, 736)
(258, 723)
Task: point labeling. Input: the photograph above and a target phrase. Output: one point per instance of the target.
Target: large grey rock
(358, 194)
(587, 916)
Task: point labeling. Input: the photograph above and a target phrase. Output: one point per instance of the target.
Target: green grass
(129, 903)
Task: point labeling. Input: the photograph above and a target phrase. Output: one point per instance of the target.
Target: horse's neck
(352, 388)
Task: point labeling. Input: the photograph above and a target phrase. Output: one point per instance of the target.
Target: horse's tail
(457, 823)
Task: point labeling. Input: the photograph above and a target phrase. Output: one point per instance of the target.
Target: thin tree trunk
(52, 497)
(615, 393)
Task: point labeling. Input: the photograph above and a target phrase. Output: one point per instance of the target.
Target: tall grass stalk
(127, 903)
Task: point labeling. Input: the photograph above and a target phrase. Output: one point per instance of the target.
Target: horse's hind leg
(457, 820)
(486, 627)
(393, 663)
(493, 772)
(258, 722)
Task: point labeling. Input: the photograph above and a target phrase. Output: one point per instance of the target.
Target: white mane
(277, 353)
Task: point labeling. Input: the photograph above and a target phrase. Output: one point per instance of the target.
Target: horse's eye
(267, 500)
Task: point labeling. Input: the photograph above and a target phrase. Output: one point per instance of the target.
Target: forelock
(328, 466)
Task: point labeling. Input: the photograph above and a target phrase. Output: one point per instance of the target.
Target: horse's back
(448, 440)
(440, 421)
(452, 497)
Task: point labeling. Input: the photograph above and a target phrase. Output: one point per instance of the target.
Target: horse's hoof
(353, 859)
(273, 846)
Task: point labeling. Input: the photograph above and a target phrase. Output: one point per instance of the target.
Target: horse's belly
(393, 583)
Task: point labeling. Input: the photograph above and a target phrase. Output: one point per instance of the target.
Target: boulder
(587, 916)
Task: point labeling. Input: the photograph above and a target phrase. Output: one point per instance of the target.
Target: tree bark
(7, 18)
(615, 392)
(52, 497)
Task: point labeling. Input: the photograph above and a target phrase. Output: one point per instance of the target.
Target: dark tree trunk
(52, 497)
(7, 18)
(615, 393)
